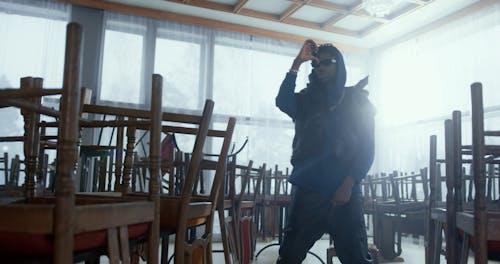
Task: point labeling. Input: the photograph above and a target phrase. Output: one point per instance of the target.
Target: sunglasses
(325, 62)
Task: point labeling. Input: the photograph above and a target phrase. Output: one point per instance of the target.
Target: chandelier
(379, 8)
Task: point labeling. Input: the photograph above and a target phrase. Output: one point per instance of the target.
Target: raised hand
(307, 51)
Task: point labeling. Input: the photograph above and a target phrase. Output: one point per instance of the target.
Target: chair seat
(405, 207)
(465, 221)
(228, 204)
(198, 212)
(439, 214)
(38, 245)
(26, 229)
(93, 150)
(278, 200)
(247, 204)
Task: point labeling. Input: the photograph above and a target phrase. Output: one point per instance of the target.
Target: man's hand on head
(307, 52)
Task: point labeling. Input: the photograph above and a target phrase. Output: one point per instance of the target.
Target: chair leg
(179, 252)
(113, 247)
(224, 235)
(438, 237)
(464, 255)
(330, 253)
(95, 260)
(124, 246)
(208, 253)
(164, 250)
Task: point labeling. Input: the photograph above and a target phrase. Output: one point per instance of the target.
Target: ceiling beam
(328, 5)
(239, 6)
(418, 2)
(267, 16)
(357, 6)
(211, 23)
(293, 9)
(332, 20)
(206, 4)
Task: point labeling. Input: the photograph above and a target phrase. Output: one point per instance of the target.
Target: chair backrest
(68, 134)
(220, 170)
(5, 163)
(245, 172)
(478, 171)
(257, 183)
(68, 138)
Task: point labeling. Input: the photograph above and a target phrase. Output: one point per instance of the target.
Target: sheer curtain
(123, 59)
(240, 72)
(248, 71)
(33, 37)
(419, 82)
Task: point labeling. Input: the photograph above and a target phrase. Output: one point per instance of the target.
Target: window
(179, 64)
(246, 81)
(266, 144)
(122, 67)
(33, 44)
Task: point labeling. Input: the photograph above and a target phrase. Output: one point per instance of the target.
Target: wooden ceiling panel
(314, 14)
(225, 2)
(327, 15)
(347, 20)
(355, 23)
(272, 7)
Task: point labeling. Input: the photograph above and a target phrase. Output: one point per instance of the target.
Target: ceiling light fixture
(379, 8)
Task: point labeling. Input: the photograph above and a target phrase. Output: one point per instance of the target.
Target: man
(333, 149)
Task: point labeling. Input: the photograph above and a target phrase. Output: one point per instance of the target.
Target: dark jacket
(334, 132)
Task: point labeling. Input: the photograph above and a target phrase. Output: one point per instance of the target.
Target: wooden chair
(397, 209)
(11, 187)
(262, 204)
(4, 160)
(226, 203)
(181, 213)
(459, 212)
(436, 209)
(60, 228)
(481, 224)
(252, 203)
(247, 211)
(233, 222)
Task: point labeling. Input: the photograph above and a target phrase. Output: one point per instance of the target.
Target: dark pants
(311, 215)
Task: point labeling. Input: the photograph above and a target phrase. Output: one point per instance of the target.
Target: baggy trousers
(311, 215)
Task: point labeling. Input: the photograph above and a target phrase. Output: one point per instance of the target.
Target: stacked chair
(180, 211)
(11, 172)
(240, 223)
(480, 224)
(397, 209)
(64, 228)
(226, 204)
(247, 212)
(469, 216)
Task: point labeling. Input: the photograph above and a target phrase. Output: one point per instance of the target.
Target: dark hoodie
(334, 131)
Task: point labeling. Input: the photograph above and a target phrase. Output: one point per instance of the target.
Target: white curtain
(32, 43)
(240, 72)
(419, 82)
